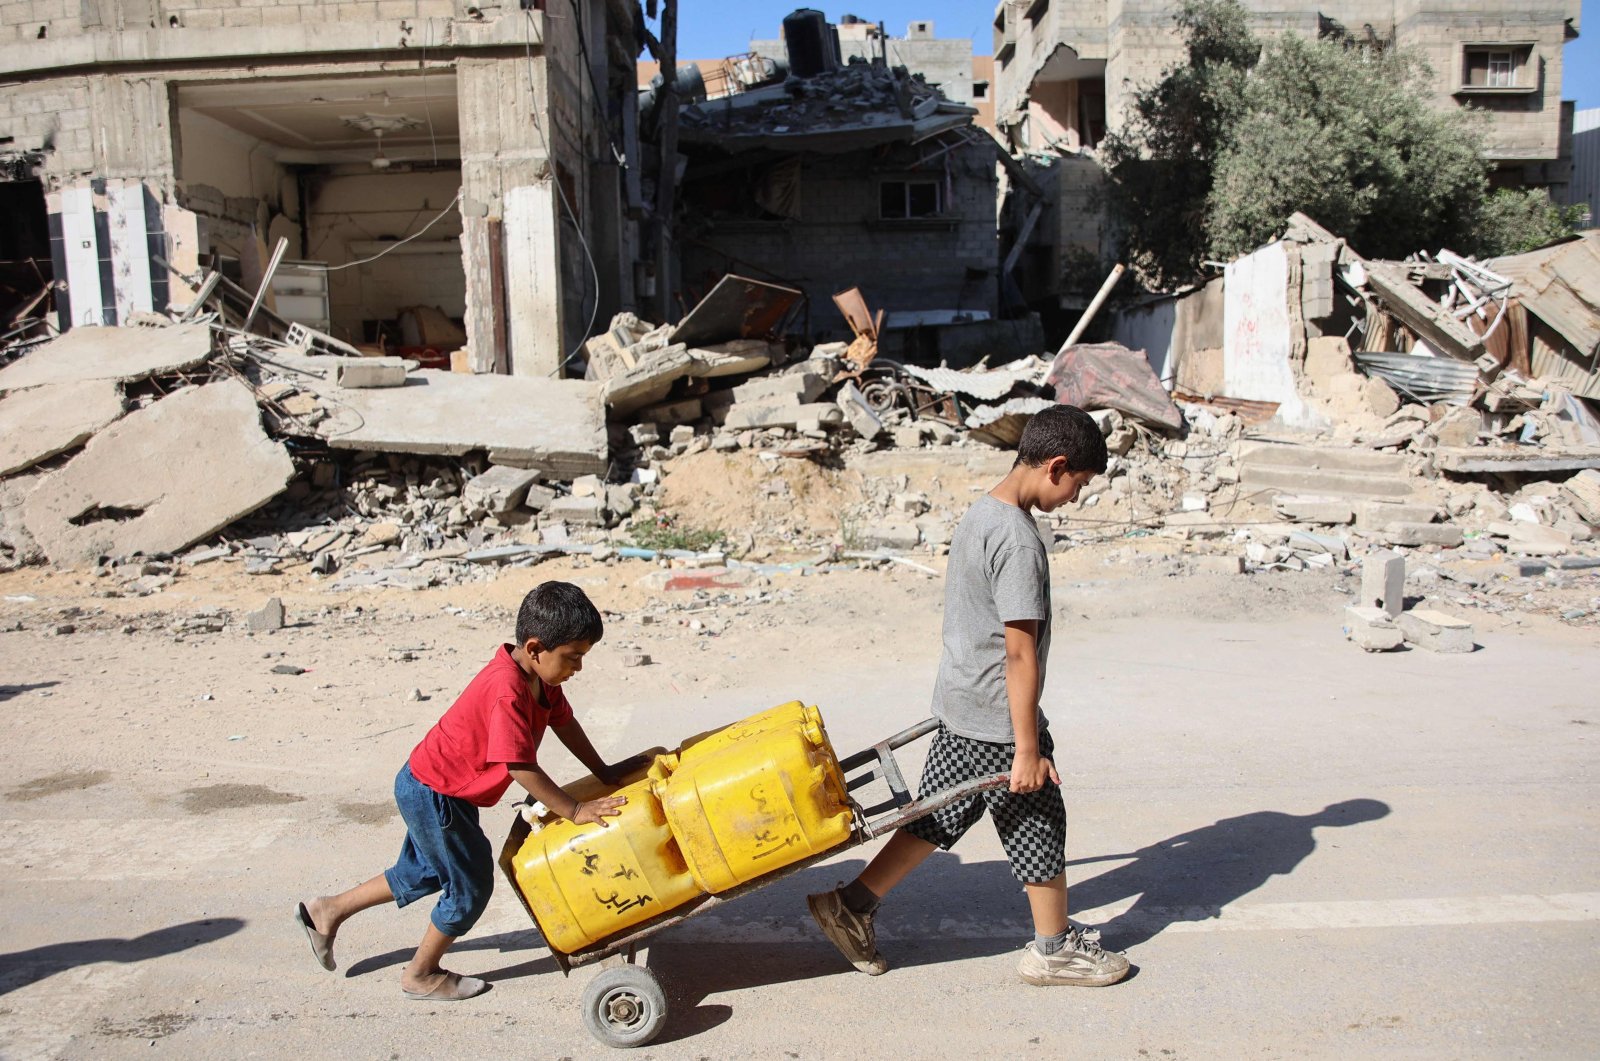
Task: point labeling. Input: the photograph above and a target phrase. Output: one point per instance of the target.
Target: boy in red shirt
(489, 738)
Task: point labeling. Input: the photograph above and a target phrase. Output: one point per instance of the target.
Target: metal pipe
(1094, 307)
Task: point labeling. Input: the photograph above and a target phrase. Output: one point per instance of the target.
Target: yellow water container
(586, 882)
(793, 713)
(752, 799)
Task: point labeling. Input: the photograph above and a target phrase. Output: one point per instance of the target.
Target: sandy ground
(1306, 850)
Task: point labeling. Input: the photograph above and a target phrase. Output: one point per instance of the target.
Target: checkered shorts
(1032, 826)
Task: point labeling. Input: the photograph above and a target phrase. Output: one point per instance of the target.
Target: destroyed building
(1066, 70)
(423, 161)
(847, 172)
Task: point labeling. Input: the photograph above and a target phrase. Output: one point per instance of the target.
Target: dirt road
(1306, 850)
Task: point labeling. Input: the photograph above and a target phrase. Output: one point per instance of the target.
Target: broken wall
(840, 240)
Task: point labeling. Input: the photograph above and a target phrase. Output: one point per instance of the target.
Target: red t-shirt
(495, 721)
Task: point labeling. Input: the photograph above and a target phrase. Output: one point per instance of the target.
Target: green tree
(1214, 157)
(1348, 136)
(1515, 221)
(1160, 163)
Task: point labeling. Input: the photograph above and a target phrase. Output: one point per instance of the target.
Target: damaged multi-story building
(460, 161)
(836, 166)
(1066, 72)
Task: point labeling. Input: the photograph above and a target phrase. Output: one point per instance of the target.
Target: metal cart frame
(624, 1005)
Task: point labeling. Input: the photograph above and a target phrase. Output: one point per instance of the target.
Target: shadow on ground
(21, 968)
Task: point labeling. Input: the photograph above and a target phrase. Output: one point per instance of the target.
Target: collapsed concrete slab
(1324, 470)
(555, 426)
(126, 354)
(160, 479)
(38, 423)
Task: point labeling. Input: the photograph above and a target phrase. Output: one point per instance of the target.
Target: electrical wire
(398, 243)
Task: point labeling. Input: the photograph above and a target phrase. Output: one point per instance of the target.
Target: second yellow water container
(755, 797)
(586, 882)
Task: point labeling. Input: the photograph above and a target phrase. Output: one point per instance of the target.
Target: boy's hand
(614, 774)
(598, 810)
(1030, 772)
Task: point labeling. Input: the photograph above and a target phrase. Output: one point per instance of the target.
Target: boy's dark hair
(1063, 431)
(558, 613)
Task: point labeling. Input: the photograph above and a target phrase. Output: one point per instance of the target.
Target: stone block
(1436, 631)
(1314, 510)
(267, 620)
(538, 498)
(1372, 629)
(581, 511)
(1378, 515)
(1533, 540)
(857, 413)
(356, 373)
(890, 536)
(1441, 534)
(1582, 492)
(789, 388)
(500, 489)
(908, 437)
(1383, 581)
(673, 414)
(745, 417)
(1458, 427)
(1381, 398)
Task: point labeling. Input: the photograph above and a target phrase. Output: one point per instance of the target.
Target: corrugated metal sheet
(986, 386)
(1426, 379)
(1560, 287)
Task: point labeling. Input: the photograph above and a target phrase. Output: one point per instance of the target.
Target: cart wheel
(624, 1006)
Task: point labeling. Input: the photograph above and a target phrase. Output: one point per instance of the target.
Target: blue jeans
(445, 851)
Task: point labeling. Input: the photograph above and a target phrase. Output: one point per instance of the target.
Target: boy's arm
(578, 743)
(543, 788)
(1029, 769)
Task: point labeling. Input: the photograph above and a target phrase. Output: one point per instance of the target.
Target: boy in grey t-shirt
(996, 640)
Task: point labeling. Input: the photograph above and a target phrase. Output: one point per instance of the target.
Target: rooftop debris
(859, 105)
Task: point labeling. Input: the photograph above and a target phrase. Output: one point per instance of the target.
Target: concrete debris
(267, 620)
(160, 479)
(1372, 628)
(1436, 631)
(1383, 582)
(553, 426)
(109, 353)
(372, 372)
(498, 490)
(41, 422)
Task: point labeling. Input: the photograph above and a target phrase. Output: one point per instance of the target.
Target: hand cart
(624, 1005)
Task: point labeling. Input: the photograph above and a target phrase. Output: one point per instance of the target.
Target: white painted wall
(1256, 341)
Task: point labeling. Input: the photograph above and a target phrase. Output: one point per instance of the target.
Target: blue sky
(710, 30)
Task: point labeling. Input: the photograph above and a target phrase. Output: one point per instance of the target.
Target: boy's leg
(323, 915)
(845, 914)
(1033, 831)
(1048, 904)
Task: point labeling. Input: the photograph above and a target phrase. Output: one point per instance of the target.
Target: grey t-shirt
(999, 572)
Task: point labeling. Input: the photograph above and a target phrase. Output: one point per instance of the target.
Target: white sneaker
(1079, 963)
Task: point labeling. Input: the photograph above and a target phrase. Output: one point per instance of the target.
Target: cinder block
(1436, 631)
(1383, 582)
(1441, 534)
(1371, 628)
(891, 536)
(372, 372)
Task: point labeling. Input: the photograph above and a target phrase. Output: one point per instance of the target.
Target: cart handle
(879, 761)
